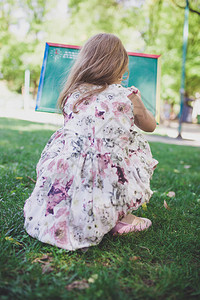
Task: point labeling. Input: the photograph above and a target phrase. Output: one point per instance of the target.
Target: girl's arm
(143, 118)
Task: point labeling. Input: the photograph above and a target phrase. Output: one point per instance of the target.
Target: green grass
(161, 263)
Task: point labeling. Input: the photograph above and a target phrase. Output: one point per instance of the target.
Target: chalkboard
(144, 73)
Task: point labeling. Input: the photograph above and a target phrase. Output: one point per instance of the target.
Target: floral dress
(92, 172)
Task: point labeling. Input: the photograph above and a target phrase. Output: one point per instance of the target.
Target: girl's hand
(143, 118)
(135, 91)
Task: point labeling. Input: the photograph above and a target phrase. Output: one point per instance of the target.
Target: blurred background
(145, 26)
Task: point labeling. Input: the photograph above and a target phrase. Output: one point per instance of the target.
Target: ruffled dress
(92, 172)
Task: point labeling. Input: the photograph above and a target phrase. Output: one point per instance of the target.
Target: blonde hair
(101, 61)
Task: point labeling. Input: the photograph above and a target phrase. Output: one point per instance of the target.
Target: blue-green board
(144, 73)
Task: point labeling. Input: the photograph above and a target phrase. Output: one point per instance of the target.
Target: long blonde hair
(101, 61)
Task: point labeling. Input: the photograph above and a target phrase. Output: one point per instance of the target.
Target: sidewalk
(168, 134)
(171, 140)
(162, 134)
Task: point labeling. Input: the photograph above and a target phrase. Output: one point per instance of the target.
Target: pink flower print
(125, 138)
(99, 144)
(53, 202)
(68, 117)
(99, 114)
(93, 99)
(132, 204)
(66, 104)
(57, 134)
(120, 108)
(62, 212)
(59, 232)
(51, 165)
(93, 174)
(121, 175)
(93, 131)
(132, 120)
(84, 105)
(104, 160)
(139, 150)
(57, 193)
(71, 107)
(69, 183)
(62, 166)
(104, 106)
(89, 100)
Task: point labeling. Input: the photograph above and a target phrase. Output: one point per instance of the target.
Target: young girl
(96, 169)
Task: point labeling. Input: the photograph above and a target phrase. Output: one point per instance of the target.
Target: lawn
(161, 263)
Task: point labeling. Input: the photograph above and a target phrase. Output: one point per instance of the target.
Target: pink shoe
(122, 227)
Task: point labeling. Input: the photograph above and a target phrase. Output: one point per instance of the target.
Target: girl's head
(102, 61)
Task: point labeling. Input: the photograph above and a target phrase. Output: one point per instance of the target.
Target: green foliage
(165, 36)
(161, 263)
(12, 65)
(154, 27)
(193, 57)
(19, 54)
(149, 26)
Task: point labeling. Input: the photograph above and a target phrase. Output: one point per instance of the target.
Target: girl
(96, 169)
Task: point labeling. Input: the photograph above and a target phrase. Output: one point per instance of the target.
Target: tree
(19, 54)
(193, 5)
(148, 26)
(154, 27)
(165, 36)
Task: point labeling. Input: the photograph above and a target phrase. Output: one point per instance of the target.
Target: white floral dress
(93, 171)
